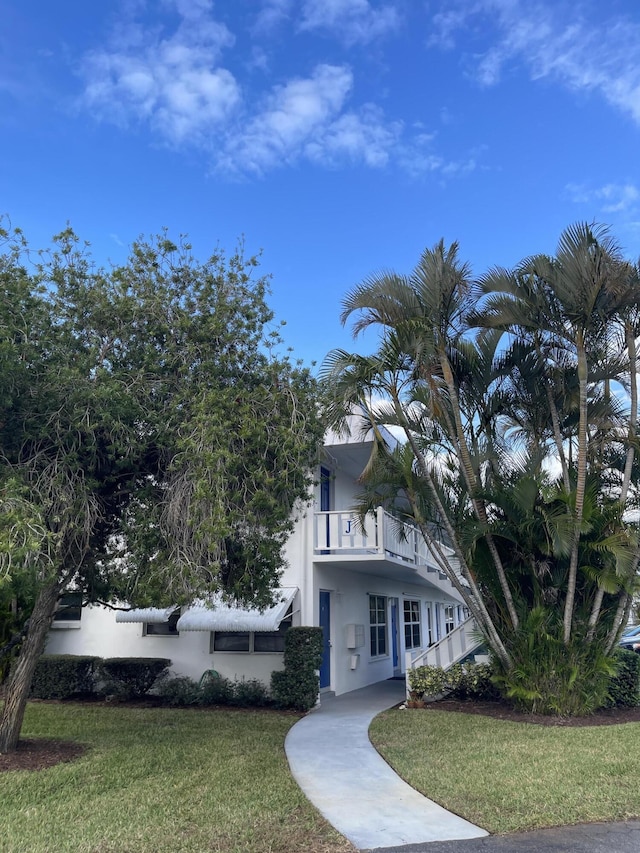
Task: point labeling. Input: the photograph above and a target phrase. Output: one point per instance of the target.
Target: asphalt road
(623, 837)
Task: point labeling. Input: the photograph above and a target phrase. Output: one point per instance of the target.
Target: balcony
(381, 546)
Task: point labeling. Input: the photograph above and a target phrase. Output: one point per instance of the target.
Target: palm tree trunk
(633, 409)
(472, 485)
(621, 618)
(595, 614)
(581, 480)
(476, 603)
(17, 691)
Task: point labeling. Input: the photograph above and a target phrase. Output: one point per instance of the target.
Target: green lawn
(508, 776)
(161, 779)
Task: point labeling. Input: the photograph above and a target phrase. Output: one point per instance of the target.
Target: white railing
(453, 647)
(341, 532)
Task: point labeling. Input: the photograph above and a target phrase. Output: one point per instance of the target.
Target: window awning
(220, 616)
(153, 615)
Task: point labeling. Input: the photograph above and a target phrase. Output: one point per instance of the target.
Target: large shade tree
(517, 402)
(154, 442)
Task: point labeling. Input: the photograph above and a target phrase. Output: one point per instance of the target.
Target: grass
(508, 777)
(153, 779)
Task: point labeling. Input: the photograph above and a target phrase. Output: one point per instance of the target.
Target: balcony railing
(341, 533)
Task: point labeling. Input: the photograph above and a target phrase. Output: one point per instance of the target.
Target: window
(69, 607)
(429, 624)
(252, 641)
(412, 624)
(163, 629)
(449, 618)
(231, 641)
(378, 625)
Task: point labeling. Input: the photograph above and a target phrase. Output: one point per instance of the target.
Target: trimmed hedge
(62, 676)
(130, 678)
(624, 687)
(298, 684)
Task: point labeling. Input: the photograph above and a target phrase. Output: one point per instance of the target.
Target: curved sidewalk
(332, 760)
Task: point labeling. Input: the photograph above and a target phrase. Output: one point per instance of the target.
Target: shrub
(251, 693)
(130, 678)
(297, 685)
(215, 689)
(463, 680)
(624, 687)
(61, 676)
(177, 690)
(428, 681)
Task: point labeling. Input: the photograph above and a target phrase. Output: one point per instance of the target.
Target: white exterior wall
(350, 605)
(100, 635)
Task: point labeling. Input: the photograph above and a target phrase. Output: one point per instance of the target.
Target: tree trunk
(581, 481)
(19, 685)
(472, 485)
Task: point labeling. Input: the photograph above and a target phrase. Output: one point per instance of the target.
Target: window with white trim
(411, 624)
(378, 625)
(449, 618)
(429, 623)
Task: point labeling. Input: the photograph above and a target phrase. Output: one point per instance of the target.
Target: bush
(297, 685)
(62, 676)
(215, 689)
(624, 687)
(428, 681)
(130, 678)
(463, 680)
(177, 691)
(250, 694)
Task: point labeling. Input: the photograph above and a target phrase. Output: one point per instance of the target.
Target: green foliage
(548, 677)
(130, 678)
(216, 689)
(297, 685)
(624, 686)
(155, 439)
(463, 680)
(63, 676)
(177, 690)
(428, 681)
(211, 690)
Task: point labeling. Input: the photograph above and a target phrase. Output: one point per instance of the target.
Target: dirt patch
(40, 753)
(502, 711)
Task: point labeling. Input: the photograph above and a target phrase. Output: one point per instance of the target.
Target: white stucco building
(376, 595)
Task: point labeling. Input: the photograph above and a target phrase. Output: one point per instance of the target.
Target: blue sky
(340, 137)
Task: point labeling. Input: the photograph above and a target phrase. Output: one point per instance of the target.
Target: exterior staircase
(455, 646)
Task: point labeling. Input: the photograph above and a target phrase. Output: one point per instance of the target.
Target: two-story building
(375, 593)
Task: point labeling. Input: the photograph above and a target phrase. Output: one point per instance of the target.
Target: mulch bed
(501, 711)
(39, 753)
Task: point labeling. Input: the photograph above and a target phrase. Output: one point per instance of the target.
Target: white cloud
(351, 21)
(553, 41)
(359, 138)
(272, 13)
(172, 80)
(610, 198)
(293, 115)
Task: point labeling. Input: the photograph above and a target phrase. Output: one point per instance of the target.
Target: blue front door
(394, 632)
(325, 624)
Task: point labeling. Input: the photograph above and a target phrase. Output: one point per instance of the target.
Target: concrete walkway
(332, 760)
